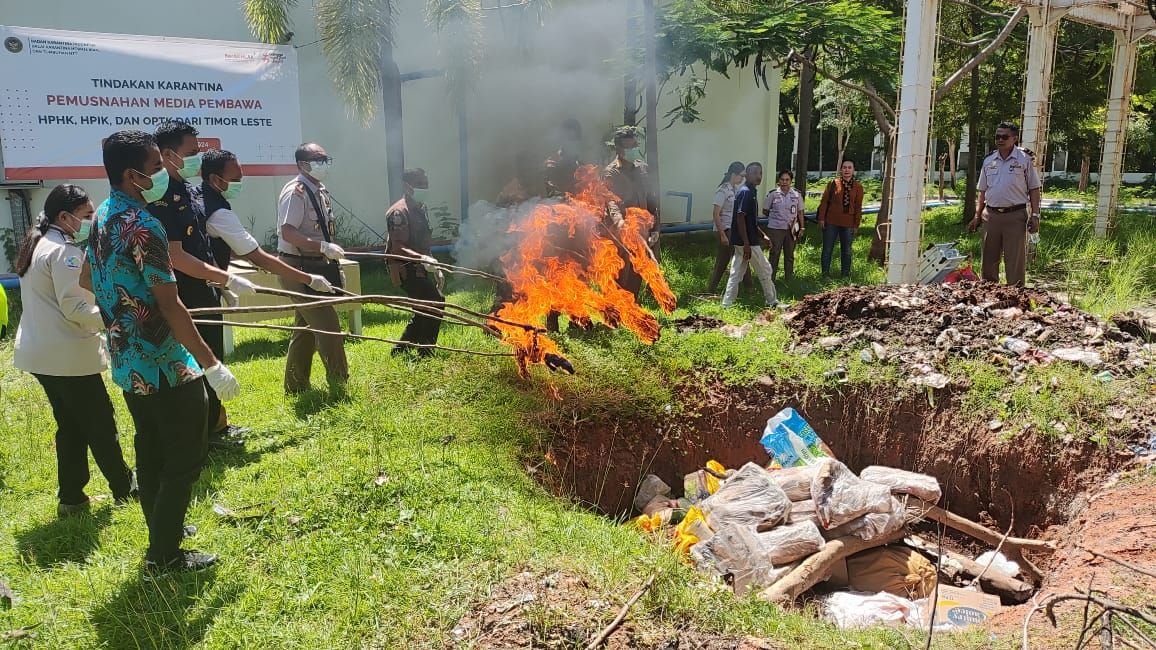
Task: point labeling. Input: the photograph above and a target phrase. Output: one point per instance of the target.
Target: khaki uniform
(1006, 184)
(296, 209)
(632, 186)
(409, 230)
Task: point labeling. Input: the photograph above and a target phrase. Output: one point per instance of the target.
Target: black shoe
(133, 493)
(186, 561)
(234, 431)
(218, 442)
(188, 531)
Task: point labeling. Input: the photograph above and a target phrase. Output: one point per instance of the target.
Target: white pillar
(1045, 24)
(1119, 96)
(914, 123)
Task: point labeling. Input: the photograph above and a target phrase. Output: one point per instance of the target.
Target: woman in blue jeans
(840, 212)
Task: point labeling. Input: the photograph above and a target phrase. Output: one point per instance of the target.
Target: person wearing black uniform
(182, 213)
(410, 235)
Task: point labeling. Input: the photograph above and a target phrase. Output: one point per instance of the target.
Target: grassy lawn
(337, 559)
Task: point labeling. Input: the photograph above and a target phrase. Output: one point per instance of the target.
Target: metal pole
(911, 143)
(463, 160)
(1119, 96)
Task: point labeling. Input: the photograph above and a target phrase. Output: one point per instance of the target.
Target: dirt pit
(1037, 481)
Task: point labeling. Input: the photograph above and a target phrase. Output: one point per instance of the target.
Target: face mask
(191, 166)
(420, 194)
(319, 170)
(160, 186)
(82, 231)
(633, 155)
(232, 191)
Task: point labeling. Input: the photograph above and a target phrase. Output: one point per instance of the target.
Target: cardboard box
(964, 608)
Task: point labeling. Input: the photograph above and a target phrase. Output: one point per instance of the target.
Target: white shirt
(1008, 181)
(783, 208)
(224, 224)
(295, 209)
(724, 198)
(60, 330)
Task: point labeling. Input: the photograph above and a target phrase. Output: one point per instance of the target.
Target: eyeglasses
(320, 159)
(1002, 136)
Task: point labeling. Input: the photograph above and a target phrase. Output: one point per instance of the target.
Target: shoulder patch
(72, 262)
(299, 188)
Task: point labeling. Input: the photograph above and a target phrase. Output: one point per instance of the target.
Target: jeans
(171, 445)
(422, 329)
(84, 422)
(844, 234)
(739, 268)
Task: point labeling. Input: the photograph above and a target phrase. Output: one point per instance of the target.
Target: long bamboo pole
(459, 270)
(361, 337)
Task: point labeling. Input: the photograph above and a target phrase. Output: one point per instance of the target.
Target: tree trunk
(953, 153)
(942, 165)
(841, 138)
(630, 79)
(974, 156)
(806, 107)
(391, 115)
(651, 101)
(878, 250)
(1085, 171)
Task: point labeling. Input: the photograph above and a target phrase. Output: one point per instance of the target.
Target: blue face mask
(160, 186)
(232, 191)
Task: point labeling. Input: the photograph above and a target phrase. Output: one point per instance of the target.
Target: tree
(357, 39)
(841, 109)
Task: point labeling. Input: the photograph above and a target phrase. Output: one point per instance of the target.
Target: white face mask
(319, 169)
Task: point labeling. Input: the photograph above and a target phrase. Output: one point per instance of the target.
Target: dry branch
(924, 510)
(609, 629)
(1123, 563)
(982, 55)
(956, 566)
(459, 270)
(348, 335)
(1105, 603)
(817, 568)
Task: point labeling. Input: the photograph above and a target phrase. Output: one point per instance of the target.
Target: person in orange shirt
(840, 212)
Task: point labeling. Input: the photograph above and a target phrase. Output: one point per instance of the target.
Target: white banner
(62, 93)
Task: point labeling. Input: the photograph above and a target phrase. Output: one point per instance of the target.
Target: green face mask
(232, 191)
(633, 155)
(191, 166)
(83, 231)
(160, 186)
(420, 194)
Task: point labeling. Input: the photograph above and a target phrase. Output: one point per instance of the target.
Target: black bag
(326, 268)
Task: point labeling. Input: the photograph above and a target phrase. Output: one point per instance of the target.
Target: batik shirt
(129, 254)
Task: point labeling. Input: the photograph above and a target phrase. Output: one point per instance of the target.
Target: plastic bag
(856, 610)
(873, 524)
(998, 563)
(651, 487)
(790, 440)
(691, 530)
(796, 481)
(840, 496)
(803, 511)
(748, 498)
(735, 551)
(791, 542)
(920, 486)
(897, 570)
(699, 485)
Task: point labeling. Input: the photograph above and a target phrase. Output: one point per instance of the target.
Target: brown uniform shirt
(632, 185)
(408, 229)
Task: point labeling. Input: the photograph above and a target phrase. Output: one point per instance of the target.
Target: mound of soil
(927, 323)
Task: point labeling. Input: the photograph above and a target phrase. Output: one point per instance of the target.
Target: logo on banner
(13, 45)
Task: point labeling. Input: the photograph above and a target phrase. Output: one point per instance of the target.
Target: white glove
(440, 280)
(319, 284)
(332, 251)
(223, 383)
(231, 298)
(240, 286)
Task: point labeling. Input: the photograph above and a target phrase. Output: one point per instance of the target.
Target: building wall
(532, 77)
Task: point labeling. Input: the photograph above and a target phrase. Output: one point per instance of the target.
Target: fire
(567, 259)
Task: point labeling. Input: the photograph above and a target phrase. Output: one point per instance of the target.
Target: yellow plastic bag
(683, 537)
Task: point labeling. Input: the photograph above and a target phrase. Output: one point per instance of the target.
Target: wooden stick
(998, 548)
(609, 629)
(1123, 563)
(817, 568)
(953, 565)
(1056, 599)
(1138, 632)
(330, 302)
(924, 510)
(459, 270)
(361, 337)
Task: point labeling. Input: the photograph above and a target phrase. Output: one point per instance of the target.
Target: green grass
(396, 565)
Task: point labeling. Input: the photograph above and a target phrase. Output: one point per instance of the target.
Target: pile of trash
(921, 326)
(807, 522)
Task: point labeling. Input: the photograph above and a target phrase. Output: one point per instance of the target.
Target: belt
(300, 257)
(1010, 208)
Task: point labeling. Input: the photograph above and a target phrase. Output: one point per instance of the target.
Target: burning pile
(567, 259)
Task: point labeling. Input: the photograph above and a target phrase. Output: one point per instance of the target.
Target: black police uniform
(213, 201)
(182, 213)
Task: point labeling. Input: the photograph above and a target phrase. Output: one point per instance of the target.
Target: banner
(62, 93)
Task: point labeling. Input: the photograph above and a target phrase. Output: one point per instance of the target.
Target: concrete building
(533, 77)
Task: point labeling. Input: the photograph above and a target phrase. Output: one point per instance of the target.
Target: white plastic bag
(999, 563)
(873, 524)
(840, 496)
(920, 486)
(795, 481)
(803, 511)
(787, 543)
(735, 551)
(850, 609)
(748, 498)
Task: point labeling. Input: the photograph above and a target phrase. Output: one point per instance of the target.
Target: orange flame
(567, 259)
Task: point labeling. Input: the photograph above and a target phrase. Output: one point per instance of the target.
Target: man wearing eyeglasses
(305, 229)
(1008, 184)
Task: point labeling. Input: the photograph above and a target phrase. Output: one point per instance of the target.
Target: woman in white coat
(59, 341)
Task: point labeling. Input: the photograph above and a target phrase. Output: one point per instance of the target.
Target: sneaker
(70, 509)
(219, 442)
(186, 561)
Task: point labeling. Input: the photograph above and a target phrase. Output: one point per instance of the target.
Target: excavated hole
(1031, 479)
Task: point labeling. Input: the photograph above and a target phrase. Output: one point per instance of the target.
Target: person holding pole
(410, 235)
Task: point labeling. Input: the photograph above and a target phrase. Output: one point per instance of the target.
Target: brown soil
(560, 610)
(1032, 478)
